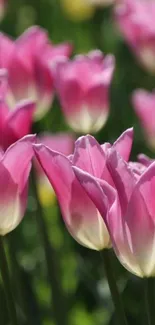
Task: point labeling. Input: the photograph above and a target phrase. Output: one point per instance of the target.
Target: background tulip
(144, 105)
(83, 89)
(28, 61)
(15, 165)
(136, 22)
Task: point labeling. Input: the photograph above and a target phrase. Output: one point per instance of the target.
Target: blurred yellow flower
(77, 10)
(45, 192)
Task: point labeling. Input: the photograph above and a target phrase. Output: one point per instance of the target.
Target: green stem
(57, 296)
(150, 300)
(7, 284)
(117, 301)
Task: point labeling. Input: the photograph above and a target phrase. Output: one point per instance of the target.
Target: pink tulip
(80, 215)
(128, 211)
(62, 142)
(3, 4)
(136, 22)
(15, 165)
(144, 105)
(28, 61)
(83, 89)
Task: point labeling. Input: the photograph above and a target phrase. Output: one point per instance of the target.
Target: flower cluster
(106, 200)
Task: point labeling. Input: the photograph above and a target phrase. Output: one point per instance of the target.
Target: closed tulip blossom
(80, 214)
(61, 142)
(136, 22)
(128, 211)
(28, 61)
(83, 89)
(144, 105)
(15, 165)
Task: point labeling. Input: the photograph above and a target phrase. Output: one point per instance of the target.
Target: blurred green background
(79, 271)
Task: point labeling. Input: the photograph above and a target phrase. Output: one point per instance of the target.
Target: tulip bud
(136, 22)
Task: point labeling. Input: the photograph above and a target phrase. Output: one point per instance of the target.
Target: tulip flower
(83, 89)
(62, 142)
(15, 165)
(80, 215)
(29, 60)
(2, 8)
(144, 105)
(136, 22)
(15, 124)
(128, 211)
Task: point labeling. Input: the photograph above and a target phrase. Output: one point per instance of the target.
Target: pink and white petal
(10, 210)
(79, 213)
(123, 144)
(97, 105)
(20, 120)
(44, 87)
(17, 159)
(89, 156)
(123, 178)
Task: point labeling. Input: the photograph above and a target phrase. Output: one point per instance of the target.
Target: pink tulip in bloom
(136, 22)
(144, 105)
(80, 215)
(15, 165)
(83, 89)
(29, 60)
(3, 4)
(128, 211)
(61, 142)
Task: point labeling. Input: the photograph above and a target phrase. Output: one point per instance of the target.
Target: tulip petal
(17, 159)
(122, 176)
(89, 156)
(10, 210)
(123, 144)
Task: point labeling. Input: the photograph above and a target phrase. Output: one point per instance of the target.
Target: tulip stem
(150, 300)
(57, 297)
(7, 284)
(108, 267)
